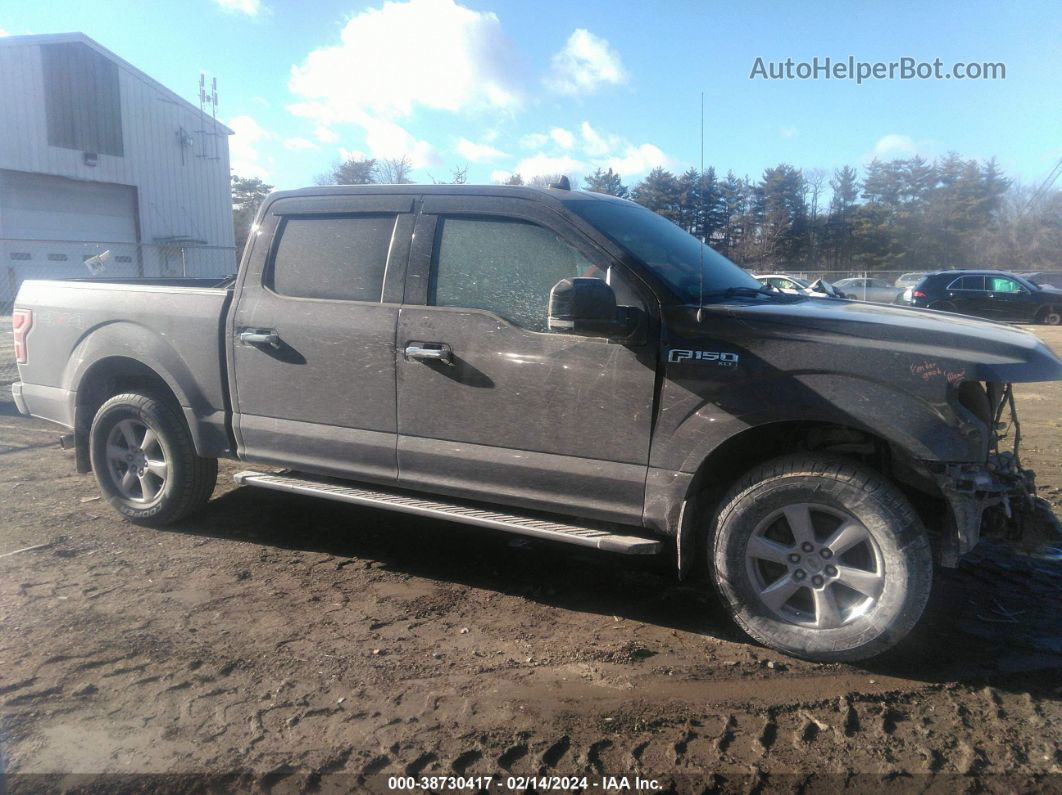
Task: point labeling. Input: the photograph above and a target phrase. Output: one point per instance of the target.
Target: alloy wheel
(815, 566)
(136, 461)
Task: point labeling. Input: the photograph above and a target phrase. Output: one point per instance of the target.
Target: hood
(987, 351)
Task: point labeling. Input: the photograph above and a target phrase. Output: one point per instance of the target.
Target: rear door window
(968, 283)
(337, 257)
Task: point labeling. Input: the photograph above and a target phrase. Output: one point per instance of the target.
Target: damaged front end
(996, 499)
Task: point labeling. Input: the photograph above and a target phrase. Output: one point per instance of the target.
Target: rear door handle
(260, 337)
(430, 352)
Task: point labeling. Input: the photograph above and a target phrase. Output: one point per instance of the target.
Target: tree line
(906, 214)
(897, 215)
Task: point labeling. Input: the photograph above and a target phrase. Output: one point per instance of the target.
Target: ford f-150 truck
(562, 365)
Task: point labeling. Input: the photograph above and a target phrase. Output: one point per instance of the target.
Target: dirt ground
(283, 643)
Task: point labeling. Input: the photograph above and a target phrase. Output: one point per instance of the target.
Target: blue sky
(552, 86)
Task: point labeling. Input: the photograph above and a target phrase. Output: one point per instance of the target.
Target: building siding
(189, 200)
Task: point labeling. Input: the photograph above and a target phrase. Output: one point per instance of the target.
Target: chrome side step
(406, 503)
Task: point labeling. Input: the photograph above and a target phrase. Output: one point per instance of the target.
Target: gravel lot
(285, 642)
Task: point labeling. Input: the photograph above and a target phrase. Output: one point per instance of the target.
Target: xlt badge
(721, 358)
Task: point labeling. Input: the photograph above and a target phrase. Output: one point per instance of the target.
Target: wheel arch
(730, 460)
(1046, 309)
(104, 379)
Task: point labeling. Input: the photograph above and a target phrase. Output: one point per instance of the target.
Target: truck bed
(173, 326)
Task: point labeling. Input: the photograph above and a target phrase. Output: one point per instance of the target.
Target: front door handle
(430, 352)
(260, 337)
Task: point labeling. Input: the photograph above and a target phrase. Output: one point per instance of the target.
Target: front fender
(926, 424)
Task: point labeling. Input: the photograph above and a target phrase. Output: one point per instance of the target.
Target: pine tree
(659, 191)
(845, 187)
(607, 182)
(247, 196)
(735, 199)
(783, 214)
(353, 171)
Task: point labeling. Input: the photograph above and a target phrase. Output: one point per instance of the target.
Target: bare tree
(396, 171)
(458, 176)
(545, 180)
(814, 181)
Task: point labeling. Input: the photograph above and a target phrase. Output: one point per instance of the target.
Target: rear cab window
(337, 257)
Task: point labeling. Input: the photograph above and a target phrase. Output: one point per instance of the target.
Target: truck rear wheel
(145, 461)
(821, 558)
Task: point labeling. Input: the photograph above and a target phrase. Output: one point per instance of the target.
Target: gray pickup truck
(562, 365)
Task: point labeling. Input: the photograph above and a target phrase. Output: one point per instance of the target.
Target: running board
(419, 506)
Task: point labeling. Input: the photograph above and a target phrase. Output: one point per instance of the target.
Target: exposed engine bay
(997, 499)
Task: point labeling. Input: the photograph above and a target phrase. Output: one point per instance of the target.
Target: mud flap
(686, 539)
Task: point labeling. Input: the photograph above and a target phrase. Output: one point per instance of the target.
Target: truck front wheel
(821, 558)
(145, 461)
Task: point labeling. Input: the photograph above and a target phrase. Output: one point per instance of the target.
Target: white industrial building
(96, 157)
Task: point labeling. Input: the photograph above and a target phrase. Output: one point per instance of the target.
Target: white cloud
(788, 132)
(251, 8)
(500, 175)
(637, 160)
(534, 140)
(296, 144)
(563, 138)
(895, 145)
(429, 53)
(541, 164)
(387, 140)
(470, 150)
(4, 32)
(613, 151)
(585, 63)
(243, 146)
(567, 154)
(325, 135)
(352, 154)
(597, 145)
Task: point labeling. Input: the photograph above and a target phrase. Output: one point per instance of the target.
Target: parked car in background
(909, 279)
(995, 295)
(787, 284)
(866, 289)
(796, 286)
(1045, 278)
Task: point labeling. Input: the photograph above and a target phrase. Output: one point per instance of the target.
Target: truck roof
(507, 191)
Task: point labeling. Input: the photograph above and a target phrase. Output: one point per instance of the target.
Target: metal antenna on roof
(214, 112)
(700, 193)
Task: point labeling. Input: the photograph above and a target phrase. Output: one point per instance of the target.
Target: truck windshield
(671, 253)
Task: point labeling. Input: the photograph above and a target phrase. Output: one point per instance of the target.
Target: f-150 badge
(720, 358)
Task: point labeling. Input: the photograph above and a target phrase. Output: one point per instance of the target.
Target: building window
(81, 98)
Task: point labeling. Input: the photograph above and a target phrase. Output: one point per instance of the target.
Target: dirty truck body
(562, 365)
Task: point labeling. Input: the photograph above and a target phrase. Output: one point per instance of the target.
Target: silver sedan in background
(878, 291)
